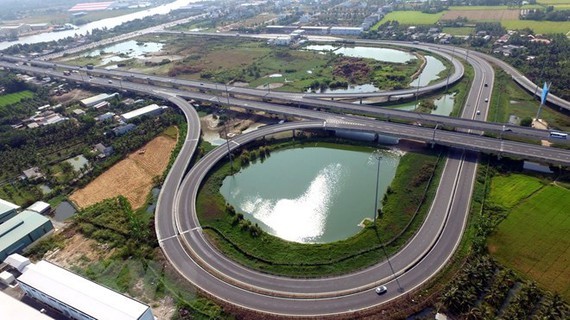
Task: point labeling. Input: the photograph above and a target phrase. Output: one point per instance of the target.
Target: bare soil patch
(495, 15)
(73, 95)
(131, 177)
(78, 251)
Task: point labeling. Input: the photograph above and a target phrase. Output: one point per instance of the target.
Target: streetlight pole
(378, 157)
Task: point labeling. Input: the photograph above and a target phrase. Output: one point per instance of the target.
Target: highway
(182, 240)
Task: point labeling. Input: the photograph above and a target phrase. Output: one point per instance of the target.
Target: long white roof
(80, 293)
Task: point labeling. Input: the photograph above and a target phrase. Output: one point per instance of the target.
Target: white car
(381, 289)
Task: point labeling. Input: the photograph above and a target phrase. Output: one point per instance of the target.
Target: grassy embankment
(533, 239)
(274, 255)
(510, 99)
(8, 99)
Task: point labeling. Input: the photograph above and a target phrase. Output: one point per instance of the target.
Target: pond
(430, 72)
(444, 105)
(311, 194)
(124, 51)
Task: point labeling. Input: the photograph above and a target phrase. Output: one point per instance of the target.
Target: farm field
(533, 240)
(482, 15)
(510, 190)
(15, 97)
(538, 26)
(411, 17)
(131, 177)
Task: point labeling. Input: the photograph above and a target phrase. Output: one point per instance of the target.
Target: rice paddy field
(533, 240)
(508, 16)
(8, 99)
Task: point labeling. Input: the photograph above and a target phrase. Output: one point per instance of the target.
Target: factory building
(77, 297)
(15, 309)
(7, 210)
(21, 231)
(150, 110)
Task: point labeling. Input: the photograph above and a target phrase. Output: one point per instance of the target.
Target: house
(32, 173)
(121, 130)
(102, 150)
(40, 207)
(104, 116)
(78, 112)
(281, 41)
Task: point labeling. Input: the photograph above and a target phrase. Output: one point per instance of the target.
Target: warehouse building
(77, 297)
(21, 231)
(92, 101)
(7, 210)
(150, 110)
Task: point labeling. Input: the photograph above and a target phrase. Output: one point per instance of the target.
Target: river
(100, 24)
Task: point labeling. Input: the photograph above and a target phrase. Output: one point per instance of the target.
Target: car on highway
(486, 85)
(478, 112)
(486, 99)
(381, 289)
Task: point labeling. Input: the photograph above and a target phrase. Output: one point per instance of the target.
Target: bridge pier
(360, 100)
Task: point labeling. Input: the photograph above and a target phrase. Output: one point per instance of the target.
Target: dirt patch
(493, 15)
(274, 85)
(71, 96)
(78, 251)
(131, 177)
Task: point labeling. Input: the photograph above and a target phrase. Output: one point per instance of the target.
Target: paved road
(182, 240)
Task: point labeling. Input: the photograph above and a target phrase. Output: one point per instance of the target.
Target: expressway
(183, 242)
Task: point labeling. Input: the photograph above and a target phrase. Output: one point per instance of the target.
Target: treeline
(547, 14)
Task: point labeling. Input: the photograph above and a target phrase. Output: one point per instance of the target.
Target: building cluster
(15, 31)
(45, 116)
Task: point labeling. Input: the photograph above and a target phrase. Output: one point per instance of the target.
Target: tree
(526, 121)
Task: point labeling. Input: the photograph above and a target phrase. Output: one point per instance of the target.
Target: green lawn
(15, 97)
(534, 241)
(510, 190)
(410, 17)
(459, 31)
(474, 8)
(538, 26)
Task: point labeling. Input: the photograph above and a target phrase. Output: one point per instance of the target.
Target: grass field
(11, 98)
(410, 18)
(459, 31)
(538, 26)
(533, 239)
(511, 190)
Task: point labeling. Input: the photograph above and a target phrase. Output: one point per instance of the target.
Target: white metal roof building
(89, 102)
(78, 297)
(40, 207)
(152, 109)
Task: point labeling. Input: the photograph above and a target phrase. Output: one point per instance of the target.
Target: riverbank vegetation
(404, 208)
